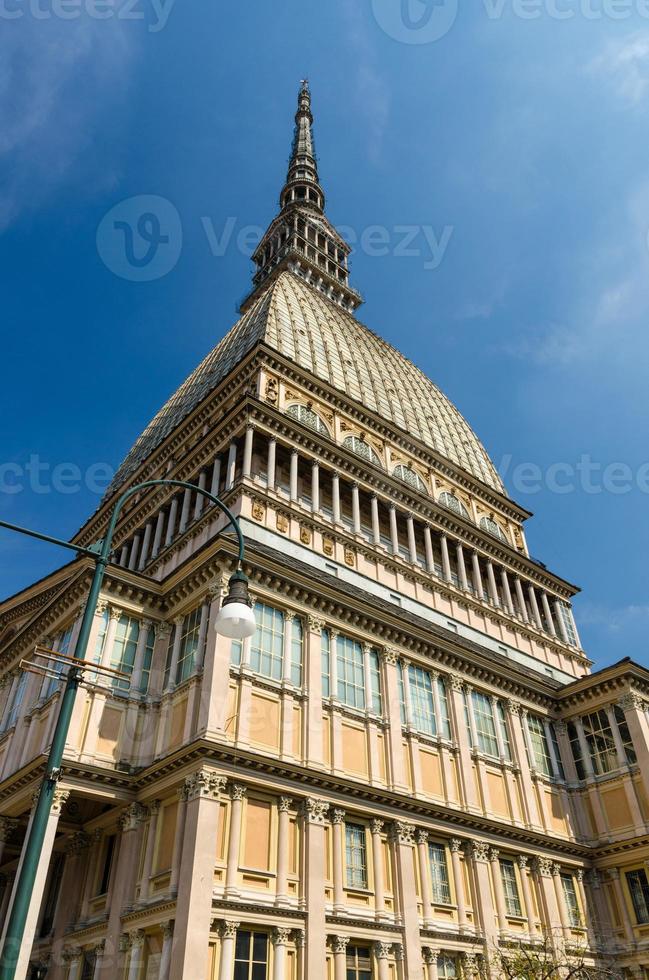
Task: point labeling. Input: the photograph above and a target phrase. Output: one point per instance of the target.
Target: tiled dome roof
(300, 323)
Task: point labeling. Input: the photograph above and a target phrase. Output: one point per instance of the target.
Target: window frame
(356, 867)
(511, 889)
(439, 877)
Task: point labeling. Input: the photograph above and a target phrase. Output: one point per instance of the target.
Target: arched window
(489, 525)
(361, 448)
(308, 417)
(409, 476)
(451, 501)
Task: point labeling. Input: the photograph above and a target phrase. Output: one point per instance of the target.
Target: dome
(324, 339)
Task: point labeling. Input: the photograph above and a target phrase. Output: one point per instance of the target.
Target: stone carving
(339, 943)
(70, 954)
(469, 965)
(376, 826)
(136, 938)
(514, 707)
(456, 845)
(403, 833)
(457, 683)
(556, 868)
(281, 937)
(132, 817)
(78, 842)
(162, 631)
(258, 511)
(422, 836)
(479, 850)
(389, 656)
(305, 535)
(59, 800)
(229, 930)
(494, 854)
(382, 950)
(338, 816)
(430, 955)
(115, 612)
(315, 811)
(630, 701)
(238, 791)
(544, 866)
(271, 392)
(522, 860)
(328, 546)
(281, 522)
(350, 557)
(285, 804)
(315, 625)
(204, 784)
(7, 827)
(168, 929)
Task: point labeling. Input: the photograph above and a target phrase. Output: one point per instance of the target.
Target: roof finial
(302, 182)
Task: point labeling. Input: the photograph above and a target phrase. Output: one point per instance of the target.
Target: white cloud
(55, 78)
(625, 63)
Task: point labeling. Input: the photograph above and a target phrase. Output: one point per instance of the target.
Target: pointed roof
(303, 165)
(304, 326)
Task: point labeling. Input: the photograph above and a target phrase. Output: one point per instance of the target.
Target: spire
(302, 181)
(300, 239)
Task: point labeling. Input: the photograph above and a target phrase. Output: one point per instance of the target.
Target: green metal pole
(33, 845)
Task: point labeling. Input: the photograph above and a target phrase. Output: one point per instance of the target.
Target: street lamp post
(235, 619)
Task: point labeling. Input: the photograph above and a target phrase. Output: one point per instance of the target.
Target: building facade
(408, 770)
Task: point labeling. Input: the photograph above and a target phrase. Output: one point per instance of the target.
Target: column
(458, 878)
(403, 838)
(237, 795)
(494, 860)
(216, 478)
(430, 960)
(532, 928)
(157, 539)
(314, 814)
(195, 887)
(356, 509)
(465, 768)
(154, 810)
(123, 556)
(181, 816)
(536, 615)
(136, 942)
(382, 953)
(519, 734)
(200, 499)
(135, 549)
(146, 543)
(138, 663)
(314, 747)
(228, 935)
(247, 451)
(335, 497)
(561, 899)
(491, 581)
(184, 514)
(99, 960)
(167, 944)
(613, 875)
(393, 708)
(315, 487)
(562, 626)
(394, 532)
(338, 824)
(231, 471)
(551, 919)
(175, 653)
(271, 465)
(339, 946)
(121, 889)
(480, 857)
(428, 548)
(21, 956)
(293, 475)
(376, 827)
(507, 592)
(446, 561)
(461, 567)
(522, 608)
(376, 523)
(171, 523)
(72, 961)
(477, 575)
(412, 541)
(637, 719)
(280, 939)
(548, 614)
(283, 830)
(424, 876)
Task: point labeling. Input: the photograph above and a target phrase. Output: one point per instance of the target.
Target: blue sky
(507, 136)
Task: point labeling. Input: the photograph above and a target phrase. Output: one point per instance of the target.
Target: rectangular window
(501, 719)
(422, 704)
(375, 682)
(402, 693)
(296, 651)
(510, 888)
(447, 967)
(566, 619)
(575, 747)
(146, 663)
(351, 674)
(557, 754)
(189, 638)
(485, 724)
(251, 956)
(639, 891)
(356, 856)
(61, 644)
(122, 656)
(625, 735)
(19, 694)
(441, 890)
(541, 759)
(325, 656)
(358, 963)
(170, 652)
(267, 645)
(601, 744)
(107, 863)
(572, 902)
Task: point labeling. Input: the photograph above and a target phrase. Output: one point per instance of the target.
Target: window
(422, 702)
(409, 476)
(61, 644)
(557, 754)
(639, 890)
(146, 663)
(486, 720)
(325, 657)
(492, 527)
(101, 636)
(122, 656)
(566, 618)
(359, 964)
(446, 967)
(52, 894)
(439, 875)
(351, 675)
(575, 746)
(510, 888)
(361, 448)
(356, 856)
(308, 417)
(541, 758)
(296, 651)
(572, 903)
(109, 850)
(189, 638)
(450, 501)
(267, 645)
(601, 744)
(625, 735)
(352, 662)
(375, 681)
(251, 955)
(19, 693)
